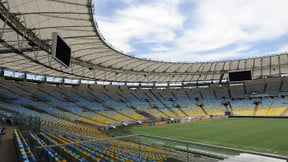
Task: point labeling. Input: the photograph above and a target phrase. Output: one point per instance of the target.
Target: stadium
(66, 94)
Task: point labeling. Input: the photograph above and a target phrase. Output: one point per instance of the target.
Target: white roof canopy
(33, 21)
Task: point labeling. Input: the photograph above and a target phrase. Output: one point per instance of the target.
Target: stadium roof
(26, 28)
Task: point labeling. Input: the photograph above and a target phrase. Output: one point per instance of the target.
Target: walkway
(7, 145)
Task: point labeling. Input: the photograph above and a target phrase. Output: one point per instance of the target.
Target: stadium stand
(108, 111)
(23, 148)
(62, 114)
(84, 115)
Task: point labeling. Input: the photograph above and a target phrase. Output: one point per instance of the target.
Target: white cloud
(224, 22)
(283, 49)
(153, 22)
(159, 48)
(186, 57)
(215, 24)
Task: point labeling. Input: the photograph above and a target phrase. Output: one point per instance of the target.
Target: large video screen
(236, 76)
(60, 50)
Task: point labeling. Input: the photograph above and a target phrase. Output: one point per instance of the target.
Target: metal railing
(172, 148)
(187, 143)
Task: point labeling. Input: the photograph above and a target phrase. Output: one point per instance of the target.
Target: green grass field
(263, 135)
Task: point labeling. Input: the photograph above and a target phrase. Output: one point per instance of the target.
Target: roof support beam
(71, 3)
(4, 51)
(14, 23)
(56, 13)
(65, 26)
(13, 49)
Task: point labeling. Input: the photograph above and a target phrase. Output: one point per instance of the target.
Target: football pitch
(256, 134)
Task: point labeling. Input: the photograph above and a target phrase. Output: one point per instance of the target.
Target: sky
(194, 30)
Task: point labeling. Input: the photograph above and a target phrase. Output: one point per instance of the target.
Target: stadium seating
(64, 132)
(49, 154)
(74, 114)
(23, 148)
(99, 105)
(242, 107)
